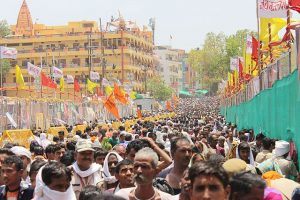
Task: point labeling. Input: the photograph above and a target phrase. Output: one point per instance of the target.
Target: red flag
(255, 47)
(240, 69)
(110, 105)
(98, 92)
(169, 107)
(48, 82)
(295, 5)
(76, 86)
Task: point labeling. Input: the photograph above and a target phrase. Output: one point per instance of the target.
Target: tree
(212, 60)
(5, 64)
(4, 28)
(159, 89)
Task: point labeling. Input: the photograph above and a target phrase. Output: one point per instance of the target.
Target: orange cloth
(271, 175)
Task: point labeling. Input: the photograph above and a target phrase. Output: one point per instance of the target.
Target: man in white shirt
(85, 172)
(145, 164)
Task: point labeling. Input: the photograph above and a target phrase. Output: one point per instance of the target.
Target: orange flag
(139, 114)
(120, 96)
(110, 105)
(175, 100)
(169, 107)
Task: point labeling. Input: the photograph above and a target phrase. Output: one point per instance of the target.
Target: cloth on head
(271, 175)
(93, 168)
(44, 141)
(107, 176)
(251, 158)
(21, 151)
(281, 148)
(48, 194)
(272, 194)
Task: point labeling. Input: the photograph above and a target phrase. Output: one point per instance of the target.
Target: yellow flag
(229, 79)
(276, 25)
(62, 84)
(19, 78)
(91, 85)
(132, 95)
(108, 90)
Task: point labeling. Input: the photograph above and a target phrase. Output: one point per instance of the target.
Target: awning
(201, 91)
(184, 92)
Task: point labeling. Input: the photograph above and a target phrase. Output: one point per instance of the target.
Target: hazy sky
(186, 20)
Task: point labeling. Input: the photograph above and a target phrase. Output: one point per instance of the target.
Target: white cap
(281, 148)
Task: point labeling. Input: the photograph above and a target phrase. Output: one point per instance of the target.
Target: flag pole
(270, 39)
(289, 35)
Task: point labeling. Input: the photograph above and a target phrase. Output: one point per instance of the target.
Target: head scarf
(44, 141)
(251, 158)
(107, 176)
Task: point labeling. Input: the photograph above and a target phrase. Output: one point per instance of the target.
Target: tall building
(170, 66)
(120, 52)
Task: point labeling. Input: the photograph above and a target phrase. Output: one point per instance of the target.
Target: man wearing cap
(85, 172)
(287, 167)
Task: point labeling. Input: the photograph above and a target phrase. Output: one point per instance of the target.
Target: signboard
(6, 52)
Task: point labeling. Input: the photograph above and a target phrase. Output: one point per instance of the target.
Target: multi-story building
(170, 66)
(121, 52)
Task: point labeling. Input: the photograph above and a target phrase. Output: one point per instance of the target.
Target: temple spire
(24, 24)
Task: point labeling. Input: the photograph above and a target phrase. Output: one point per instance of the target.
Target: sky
(187, 21)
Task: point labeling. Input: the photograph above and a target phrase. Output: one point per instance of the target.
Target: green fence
(274, 111)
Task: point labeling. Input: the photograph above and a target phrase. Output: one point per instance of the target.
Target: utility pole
(103, 62)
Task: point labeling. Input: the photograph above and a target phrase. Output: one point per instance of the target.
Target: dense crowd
(194, 155)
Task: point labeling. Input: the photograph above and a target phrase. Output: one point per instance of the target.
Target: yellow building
(124, 53)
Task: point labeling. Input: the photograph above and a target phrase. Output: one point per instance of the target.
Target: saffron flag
(91, 85)
(295, 5)
(76, 86)
(62, 84)
(139, 114)
(272, 8)
(48, 82)
(169, 107)
(19, 78)
(110, 105)
(175, 100)
(120, 96)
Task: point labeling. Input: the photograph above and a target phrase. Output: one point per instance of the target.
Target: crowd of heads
(193, 155)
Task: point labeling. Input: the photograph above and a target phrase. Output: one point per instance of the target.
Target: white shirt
(124, 193)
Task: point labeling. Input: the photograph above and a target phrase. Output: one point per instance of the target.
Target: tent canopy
(184, 92)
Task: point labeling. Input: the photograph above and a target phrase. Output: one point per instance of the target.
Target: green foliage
(159, 89)
(4, 28)
(212, 60)
(5, 64)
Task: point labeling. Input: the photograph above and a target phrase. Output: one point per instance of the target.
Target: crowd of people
(194, 155)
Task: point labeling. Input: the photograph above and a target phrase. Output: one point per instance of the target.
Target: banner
(234, 63)
(249, 44)
(70, 79)
(272, 8)
(105, 82)
(94, 76)
(6, 52)
(12, 121)
(33, 70)
(57, 73)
